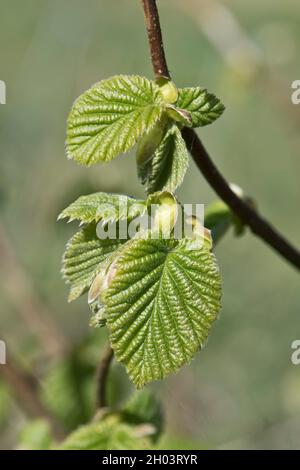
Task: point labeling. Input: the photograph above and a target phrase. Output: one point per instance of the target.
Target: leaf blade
(167, 168)
(204, 107)
(110, 117)
(103, 206)
(160, 306)
(83, 257)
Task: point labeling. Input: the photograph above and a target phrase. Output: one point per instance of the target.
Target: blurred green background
(242, 391)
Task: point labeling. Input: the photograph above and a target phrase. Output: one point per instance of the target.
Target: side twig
(258, 225)
(102, 376)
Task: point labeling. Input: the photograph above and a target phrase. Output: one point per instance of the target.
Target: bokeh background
(242, 390)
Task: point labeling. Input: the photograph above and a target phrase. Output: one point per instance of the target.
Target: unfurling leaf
(149, 142)
(167, 89)
(110, 117)
(218, 218)
(203, 107)
(181, 116)
(166, 213)
(83, 259)
(161, 305)
(166, 170)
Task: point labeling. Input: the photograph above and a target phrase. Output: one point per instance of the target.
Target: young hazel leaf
(64, 389)
(204, 107)
(83, 258)
(166, 170)
(108, 434)
(110, 117)
(161, 305)
(219, 217)
(144, 408)
(182, 116)
(105, 207)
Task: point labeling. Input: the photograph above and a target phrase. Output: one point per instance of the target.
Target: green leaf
(219, 217)
(204, 107)
(36, 435)
(110, 117)
(105, 207)
(67, 389)
(161, 305)
(143, 407)
(149, 142)
(83, 259)
(108, 434)
(166, 170)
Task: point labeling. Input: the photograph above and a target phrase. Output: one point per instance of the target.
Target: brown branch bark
(258, 225)
(102, 376)
(155, 39)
